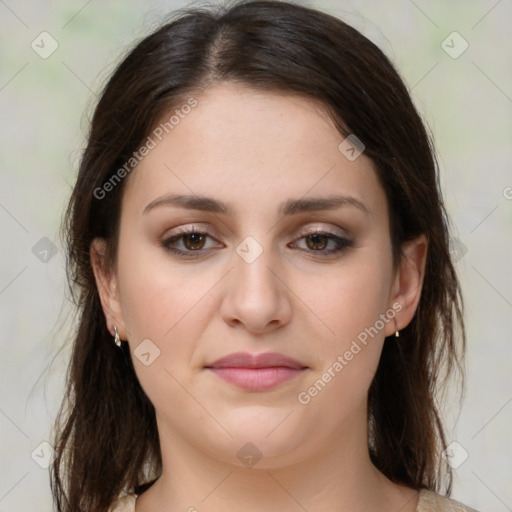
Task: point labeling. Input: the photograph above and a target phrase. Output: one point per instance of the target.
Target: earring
(117, 339)
(397, 332)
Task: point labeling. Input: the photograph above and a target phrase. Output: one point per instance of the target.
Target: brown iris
(317, 239)
(197, 239)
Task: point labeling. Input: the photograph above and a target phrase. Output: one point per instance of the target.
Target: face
(291, 254)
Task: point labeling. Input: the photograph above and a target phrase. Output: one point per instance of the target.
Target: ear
(108, 289)
(408, 282)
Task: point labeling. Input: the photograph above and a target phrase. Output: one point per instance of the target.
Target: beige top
(428, 502)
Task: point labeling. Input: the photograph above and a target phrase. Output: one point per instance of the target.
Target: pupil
(198, 240)
(317, 239)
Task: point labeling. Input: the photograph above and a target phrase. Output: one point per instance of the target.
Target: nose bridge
(252, 268)
(254, 295)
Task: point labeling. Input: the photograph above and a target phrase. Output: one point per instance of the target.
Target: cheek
(157, 296)
(168, 304)
(165, 308)
(348, 299)
(350, 335)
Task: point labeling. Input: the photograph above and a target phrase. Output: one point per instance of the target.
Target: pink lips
(257, 372)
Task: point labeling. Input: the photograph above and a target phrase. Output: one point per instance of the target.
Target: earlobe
(409, 279)
(106, 283)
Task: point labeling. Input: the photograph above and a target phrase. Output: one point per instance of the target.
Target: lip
(256, 372)
(264, 360)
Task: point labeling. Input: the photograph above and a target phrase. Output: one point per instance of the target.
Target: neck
(337, 475)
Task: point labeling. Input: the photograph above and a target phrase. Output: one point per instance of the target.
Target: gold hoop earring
(117, 339)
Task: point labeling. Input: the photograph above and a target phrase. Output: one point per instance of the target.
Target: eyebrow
(289, 207)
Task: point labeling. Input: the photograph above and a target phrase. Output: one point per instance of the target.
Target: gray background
(465, 97)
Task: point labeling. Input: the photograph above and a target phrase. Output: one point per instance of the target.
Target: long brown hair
(106, 437)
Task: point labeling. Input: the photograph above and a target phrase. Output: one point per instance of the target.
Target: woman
(259, 248)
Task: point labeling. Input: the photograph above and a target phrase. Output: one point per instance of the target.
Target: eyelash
(342, 243)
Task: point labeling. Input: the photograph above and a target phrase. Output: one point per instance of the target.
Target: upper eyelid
(325, 230)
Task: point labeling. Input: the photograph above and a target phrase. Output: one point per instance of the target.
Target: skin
(255, 150)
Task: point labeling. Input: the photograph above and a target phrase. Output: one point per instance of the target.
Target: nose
(256, 294)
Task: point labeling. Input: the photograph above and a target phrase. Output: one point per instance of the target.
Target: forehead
(251, 149)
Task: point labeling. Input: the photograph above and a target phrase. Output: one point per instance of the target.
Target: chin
(268, 434)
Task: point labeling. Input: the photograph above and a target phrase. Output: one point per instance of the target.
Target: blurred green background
(465, 96)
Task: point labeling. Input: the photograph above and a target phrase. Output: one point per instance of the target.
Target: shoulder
(124, 504)
(430, 501)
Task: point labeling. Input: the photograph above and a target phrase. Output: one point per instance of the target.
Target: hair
(105, 435)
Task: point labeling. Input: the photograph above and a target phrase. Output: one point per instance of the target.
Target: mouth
(258, 372)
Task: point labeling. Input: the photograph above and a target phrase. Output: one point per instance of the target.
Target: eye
(193, 241)
(317, 241)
